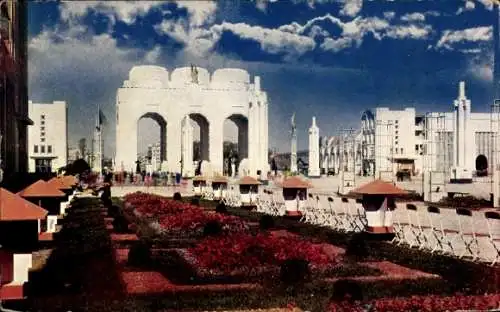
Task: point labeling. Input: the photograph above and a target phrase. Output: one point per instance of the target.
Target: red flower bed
(238, 251)
(177, 217)
(430, 303)
(150, 205)
(196, 219)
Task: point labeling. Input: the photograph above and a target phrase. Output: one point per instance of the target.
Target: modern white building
(207, 99)
(458, 143)
(48, 137)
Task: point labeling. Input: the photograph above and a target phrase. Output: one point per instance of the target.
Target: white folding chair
(334, 220)
(437, 232)
(351, 216)
(415, 228)
(467, 234)
(399, 228)
(493, 222)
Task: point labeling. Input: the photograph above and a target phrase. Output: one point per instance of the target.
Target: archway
(151, 140)
(201, 142)
(481, 165)
(235, 143)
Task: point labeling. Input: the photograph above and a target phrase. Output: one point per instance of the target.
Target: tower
(293, 154)
(314, 150)
(462, 165)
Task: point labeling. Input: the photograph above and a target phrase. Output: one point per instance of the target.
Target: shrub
(140, 254)
(266, 222)
(195, 201)
(212, 228)
(347, 290)
(221, 208)
(120, 224)
(294, 271)
(177, 196)
(113, 211)
(357, 248)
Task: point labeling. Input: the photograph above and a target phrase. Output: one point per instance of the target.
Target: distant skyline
(329, 59)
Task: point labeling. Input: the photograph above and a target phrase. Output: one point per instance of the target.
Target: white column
(216, 137)
(187, 147)
(252, 136)
(314, 150)
(174, 140)
(263, 134)
(126, 144)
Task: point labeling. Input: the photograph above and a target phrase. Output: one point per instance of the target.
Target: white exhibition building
(459, 144)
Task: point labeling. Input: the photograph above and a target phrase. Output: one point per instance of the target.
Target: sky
(323, 58)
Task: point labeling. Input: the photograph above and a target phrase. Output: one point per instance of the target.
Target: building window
(396, 137)
(402, 151)
(42, 140)
(396, 121)
(42, 122)
(396, 142)
(42, 128)
(43, 165)
(35, 149)
(42, 117)
(49, 149)
(42, 149)
(42, 133)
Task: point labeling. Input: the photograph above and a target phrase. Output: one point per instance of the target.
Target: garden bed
(194, 273)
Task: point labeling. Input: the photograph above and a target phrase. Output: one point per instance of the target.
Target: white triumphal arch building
(187, 95)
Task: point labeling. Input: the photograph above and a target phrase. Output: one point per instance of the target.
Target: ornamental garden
(146, 252)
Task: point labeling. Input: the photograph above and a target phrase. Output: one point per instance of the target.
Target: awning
(43, 157)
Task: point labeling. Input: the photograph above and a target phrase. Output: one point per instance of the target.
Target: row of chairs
(416, 227)
(424, 228)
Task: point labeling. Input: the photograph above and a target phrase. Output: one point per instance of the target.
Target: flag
(102, 120)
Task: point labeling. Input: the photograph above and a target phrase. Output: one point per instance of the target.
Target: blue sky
(323, 58)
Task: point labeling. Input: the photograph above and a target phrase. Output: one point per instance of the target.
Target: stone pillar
(126, 144)
(314, 150)
(263, 148)
(187, 147)
(252, 135)
(216, 137)
(174, 140)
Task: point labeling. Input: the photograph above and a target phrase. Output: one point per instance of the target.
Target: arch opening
(201, 142)
(151, 141)
(481, 166)
(235, 143)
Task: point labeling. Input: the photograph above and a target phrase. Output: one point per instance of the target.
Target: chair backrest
(464, 218)
(433, 209)
(411, 207)
(492, 215)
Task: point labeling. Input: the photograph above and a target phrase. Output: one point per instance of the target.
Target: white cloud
(389, 15)
(126, 11)
(354, 31)
(413, 17)
(468, 6)
(409, 32)
(480, 66)
(84, 78)
(273, 41)
(351, 7)
(450, 38)
(488, 4)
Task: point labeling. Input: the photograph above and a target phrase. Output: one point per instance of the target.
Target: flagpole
(100, 137)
